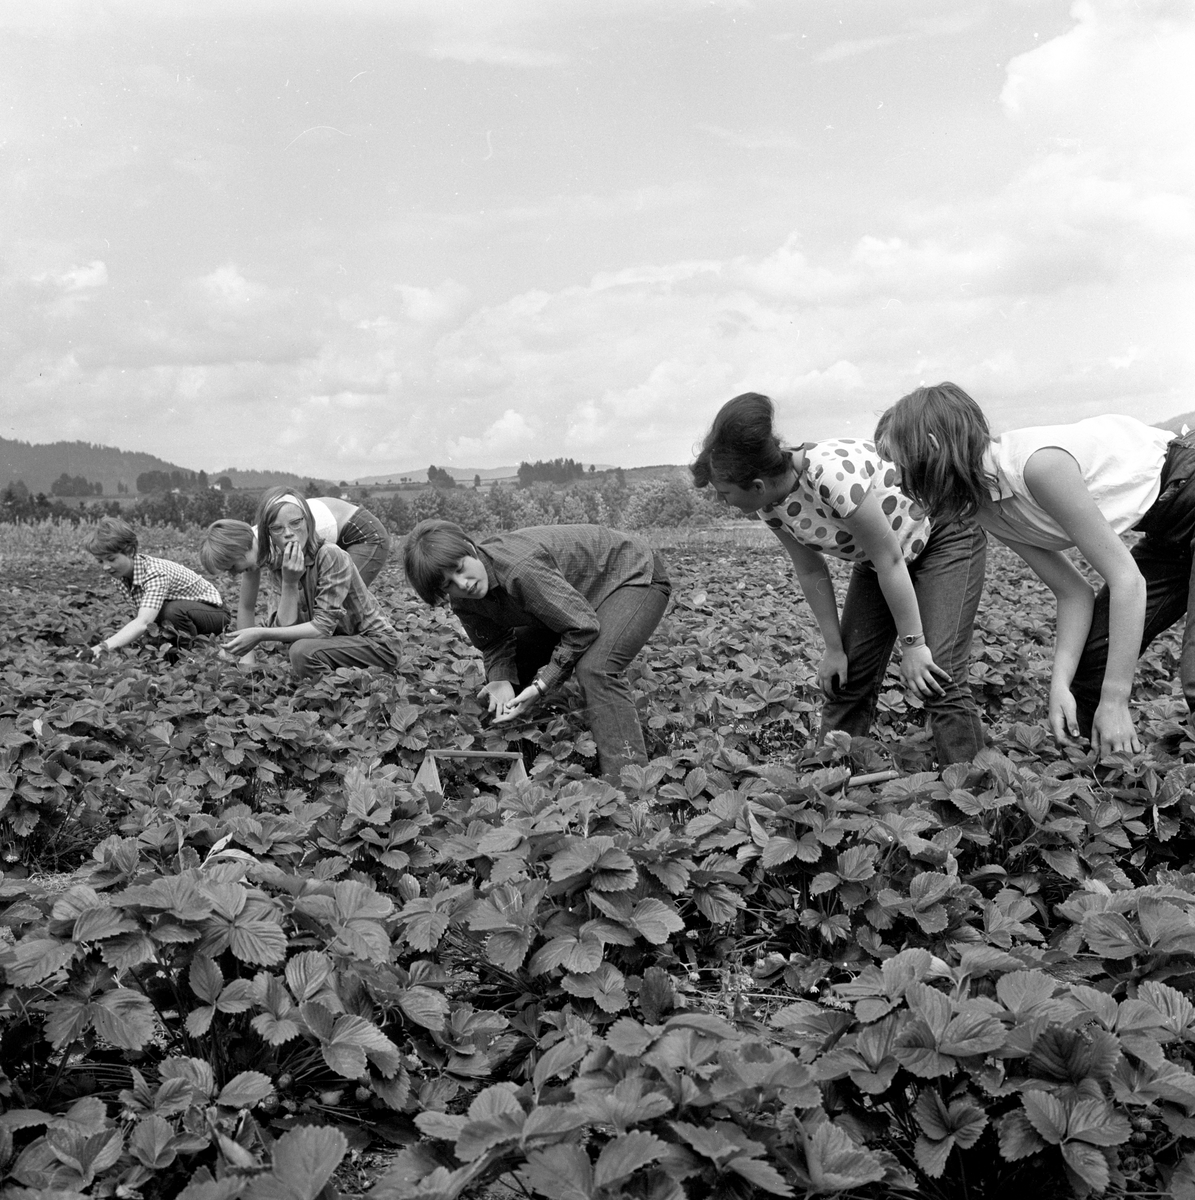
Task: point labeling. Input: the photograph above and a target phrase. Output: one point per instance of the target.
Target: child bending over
(1045, 489)
(181, 601)
(545, 603)
(324, 611)
(912, 578)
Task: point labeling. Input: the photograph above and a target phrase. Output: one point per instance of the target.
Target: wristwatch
(913, 639)
(537, 683)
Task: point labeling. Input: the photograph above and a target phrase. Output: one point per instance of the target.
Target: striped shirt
(156, 580)
(551, 577)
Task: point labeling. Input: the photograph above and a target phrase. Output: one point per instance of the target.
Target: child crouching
(181, 601)
(324, 611)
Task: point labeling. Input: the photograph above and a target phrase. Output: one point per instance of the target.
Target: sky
(354, 237)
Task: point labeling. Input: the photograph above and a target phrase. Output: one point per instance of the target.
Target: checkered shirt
(156, 580)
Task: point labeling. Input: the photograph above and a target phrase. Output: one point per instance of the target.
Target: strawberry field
(245, 947)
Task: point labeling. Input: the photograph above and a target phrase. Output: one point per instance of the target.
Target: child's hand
(243, 641)
(99, 650)
(1064, 716)
(832, 672)
(1112, 729)
(920, 673)
(497, 695)
(513, 709)
(292, 562)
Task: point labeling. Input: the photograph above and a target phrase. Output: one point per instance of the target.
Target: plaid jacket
(156, 580)
(554, 577)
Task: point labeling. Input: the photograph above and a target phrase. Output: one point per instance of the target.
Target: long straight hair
(268, 507)
(939, 436)
(741, 444)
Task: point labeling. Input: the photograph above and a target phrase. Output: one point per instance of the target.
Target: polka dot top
(836, 476)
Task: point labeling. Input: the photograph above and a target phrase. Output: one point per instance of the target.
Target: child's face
(748, 499)
(288, 525)
(116, 564)
(467, 581)
(248, 562)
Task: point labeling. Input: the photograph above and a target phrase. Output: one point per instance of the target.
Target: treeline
(613, 502)
(168, 481)
(76, 485)
(555, 470)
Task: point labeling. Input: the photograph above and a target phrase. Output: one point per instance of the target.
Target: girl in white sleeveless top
(1044, 490)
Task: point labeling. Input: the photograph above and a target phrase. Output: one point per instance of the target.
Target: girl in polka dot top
(911, 579)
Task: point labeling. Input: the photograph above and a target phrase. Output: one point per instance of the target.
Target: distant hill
(38, 466)
(1177, 423)
(258, 480)
(460, 474)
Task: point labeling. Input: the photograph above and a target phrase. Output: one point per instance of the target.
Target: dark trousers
(948, 580)
(310, 656)
(1164, 557)
(366, 541)
(628, 616)
(1166, 567)
(192, 618)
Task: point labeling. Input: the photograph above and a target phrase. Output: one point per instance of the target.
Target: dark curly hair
(741, 444)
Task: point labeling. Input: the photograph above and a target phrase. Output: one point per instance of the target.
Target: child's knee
(303, 662)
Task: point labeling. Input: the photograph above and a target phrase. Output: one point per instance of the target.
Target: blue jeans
(366, 541)
(948, 580)
(628, 616)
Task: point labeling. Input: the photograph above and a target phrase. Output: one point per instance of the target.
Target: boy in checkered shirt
(181, 601)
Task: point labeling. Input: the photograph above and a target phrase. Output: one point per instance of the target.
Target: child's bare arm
(128, 633)
(247, 603)
(813, 575)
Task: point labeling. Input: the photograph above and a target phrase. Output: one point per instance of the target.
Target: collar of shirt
(491, 579)
(998, 488)
(139, 571)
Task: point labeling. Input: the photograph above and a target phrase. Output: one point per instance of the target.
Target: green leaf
(150, 1143)
(656, 921)
(1097, 1123)
(778, 850)
(625, 1155)
(424, 1006)
(275, 1030)
(835, 1163)
(857, 864)
(1047, 1115)
(558, 1059)
(1111, 936)
(508, 948)
(761, 1174)
(304, 1160)
(206, 978)
(1018, 1138)
(33, 961)
(123, 1017)
(258, 941)
(605, 986)
(1088, 1163)
(245, 1090)
(306, 974)
(932, 1155)
(559, 1173)
(1025, 992)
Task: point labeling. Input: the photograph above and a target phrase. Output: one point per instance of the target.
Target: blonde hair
(113, 536)
(225, 544)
